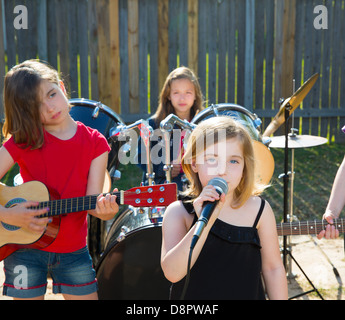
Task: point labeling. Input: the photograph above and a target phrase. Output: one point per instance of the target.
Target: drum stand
(287, 249)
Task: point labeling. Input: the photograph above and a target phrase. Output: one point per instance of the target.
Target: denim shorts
(26, 273)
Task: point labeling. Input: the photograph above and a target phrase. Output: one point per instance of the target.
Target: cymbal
(295, 142)
(291, 104)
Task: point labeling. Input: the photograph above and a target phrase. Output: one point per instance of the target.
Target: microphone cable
(186, 283)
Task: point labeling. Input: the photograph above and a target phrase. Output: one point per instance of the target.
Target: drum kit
(127, 253)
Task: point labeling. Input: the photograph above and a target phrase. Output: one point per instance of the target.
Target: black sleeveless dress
(228, 267)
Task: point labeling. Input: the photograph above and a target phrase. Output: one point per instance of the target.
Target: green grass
(315, 169)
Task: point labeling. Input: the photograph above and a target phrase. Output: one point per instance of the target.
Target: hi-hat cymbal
(295, 142)
(290, 104)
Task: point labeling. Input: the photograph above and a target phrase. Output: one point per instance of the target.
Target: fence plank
(269, 14)
(10, 33)
(212, 50)
(153, 47)
(173, 33)
(299, 47)
(183, 32)
(249, 55)
(123, 29)
(222, 50)
(202, 46)
(123, 51)
(133, 55)
(93, 48)
(42, 40)
(51, 35)
(231, 48)
(143, 53)
(73, 47)
(240, 18)
(163, 41)
(193, 9)
(83, 45)
(259, 54)
(104, 62)
(336, 38)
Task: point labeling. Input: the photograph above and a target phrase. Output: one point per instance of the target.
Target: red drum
(265, 160)
(129, 268)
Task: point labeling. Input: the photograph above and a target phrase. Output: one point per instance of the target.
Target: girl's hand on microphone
(209, 193)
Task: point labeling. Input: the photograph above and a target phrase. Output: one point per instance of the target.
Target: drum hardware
(95, 113)
(297, 141)
(167, 126)
(138, 125)
(114, 174)
(168, 166)
(169, 122)
(289, 105)
(122, 235)
(286, 248)
(145, 131)
(285, 113)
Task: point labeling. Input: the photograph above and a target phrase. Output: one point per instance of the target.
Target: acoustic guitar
(13, 238)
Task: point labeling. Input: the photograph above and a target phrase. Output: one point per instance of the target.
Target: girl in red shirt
(70, 159)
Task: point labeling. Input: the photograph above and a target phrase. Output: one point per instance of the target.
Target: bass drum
(263, 156)
(98, 116)
(129, 268)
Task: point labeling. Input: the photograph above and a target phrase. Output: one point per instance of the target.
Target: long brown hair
(222, 128)
(165, 106)
(22, 102)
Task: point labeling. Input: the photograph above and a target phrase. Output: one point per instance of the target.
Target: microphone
(208, 208)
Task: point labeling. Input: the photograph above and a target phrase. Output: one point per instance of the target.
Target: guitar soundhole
(11, 204)
(9, 227)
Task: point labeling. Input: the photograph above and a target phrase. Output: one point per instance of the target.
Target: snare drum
(130, 267)
(98, 116)
(263, 156)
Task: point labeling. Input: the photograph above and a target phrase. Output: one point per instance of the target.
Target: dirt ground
(322, 261)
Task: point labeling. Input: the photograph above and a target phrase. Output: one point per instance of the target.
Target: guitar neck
(64, 206)
(307, 227)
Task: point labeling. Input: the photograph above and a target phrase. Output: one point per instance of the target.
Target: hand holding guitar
(106, 206)
(21, 216)
(335, 204)
(331, 232)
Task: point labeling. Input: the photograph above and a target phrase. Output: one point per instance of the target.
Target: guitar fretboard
(307, 227)
(64, 206)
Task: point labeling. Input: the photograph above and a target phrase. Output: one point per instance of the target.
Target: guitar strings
(77, 204)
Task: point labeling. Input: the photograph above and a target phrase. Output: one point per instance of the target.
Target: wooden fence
(244, 51)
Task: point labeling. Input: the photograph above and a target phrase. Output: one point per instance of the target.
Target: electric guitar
(307, 227)
(13, 238)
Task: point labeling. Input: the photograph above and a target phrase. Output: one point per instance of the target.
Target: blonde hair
(216, 127)
(22, 102)
(165, 106)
